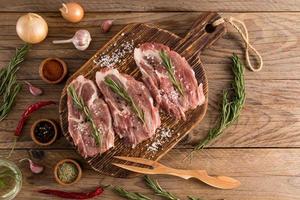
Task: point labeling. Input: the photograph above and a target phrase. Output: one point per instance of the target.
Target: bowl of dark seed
(44, 132)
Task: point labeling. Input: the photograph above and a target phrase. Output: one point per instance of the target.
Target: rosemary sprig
(153, 184)
(79, 103)
(166, 61)
(118, 89)
(130, 195)
(9, 87)
(231, 107)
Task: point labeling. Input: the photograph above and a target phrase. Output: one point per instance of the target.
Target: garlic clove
(35, 168)
(106, 25)
(35, 91)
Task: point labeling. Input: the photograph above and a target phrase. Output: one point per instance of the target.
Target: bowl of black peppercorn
(44, 132)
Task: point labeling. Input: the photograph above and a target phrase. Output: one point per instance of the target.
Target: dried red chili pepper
(30, 109)
(74, 195)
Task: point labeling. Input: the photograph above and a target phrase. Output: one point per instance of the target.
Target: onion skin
(32, 28)
(72, 12)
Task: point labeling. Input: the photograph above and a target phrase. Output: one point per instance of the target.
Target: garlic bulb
(81, 40)
(32, 28)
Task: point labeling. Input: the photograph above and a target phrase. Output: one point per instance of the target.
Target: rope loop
(243, 31)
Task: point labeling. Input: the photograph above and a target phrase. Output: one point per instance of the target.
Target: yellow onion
(72, 12)
(32, 28)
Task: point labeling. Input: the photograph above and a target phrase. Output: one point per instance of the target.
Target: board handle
(201, 35)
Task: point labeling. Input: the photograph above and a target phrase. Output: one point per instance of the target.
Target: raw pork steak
(80, 129)
(126, 122)
(156, 77)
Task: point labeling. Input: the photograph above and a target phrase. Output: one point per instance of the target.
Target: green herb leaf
(130, 195)
(159, 190)
(9, 88)
(231, 106)
(79, 103)
(170, 69)
(119, 90)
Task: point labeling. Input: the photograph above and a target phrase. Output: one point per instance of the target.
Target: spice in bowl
(53, 70)
(44, 132)
(67, 172)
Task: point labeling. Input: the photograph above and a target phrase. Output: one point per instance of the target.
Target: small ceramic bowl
(67, 161)
(45, 74)
(36, 138)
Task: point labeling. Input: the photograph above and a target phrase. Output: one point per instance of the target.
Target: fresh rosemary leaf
(8, 98)
(159, 190)
(130, 195)
(9, 88)
(170, 69)
(79, 103)
(231, 106)
(119, 90)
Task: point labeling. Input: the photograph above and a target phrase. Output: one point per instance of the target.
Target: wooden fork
(222, 182)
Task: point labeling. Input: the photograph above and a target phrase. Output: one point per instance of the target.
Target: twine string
(243, 31)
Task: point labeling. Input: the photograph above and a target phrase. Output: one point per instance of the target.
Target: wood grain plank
(152, 5)
(275, 35)
(265, 174)
(271, 117)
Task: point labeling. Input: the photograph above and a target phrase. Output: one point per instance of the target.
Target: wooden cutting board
(201, 35)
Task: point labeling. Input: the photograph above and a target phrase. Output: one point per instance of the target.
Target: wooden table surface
(261, 149)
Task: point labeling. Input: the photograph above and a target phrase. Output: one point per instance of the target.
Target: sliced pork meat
(134, 122)
(175, 99)
(80, 128)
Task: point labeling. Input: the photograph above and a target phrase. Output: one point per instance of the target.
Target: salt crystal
(80, 127)
(173, 95)
(162, 136)
(116, 56)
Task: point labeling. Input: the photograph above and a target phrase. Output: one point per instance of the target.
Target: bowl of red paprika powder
(53, 70)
